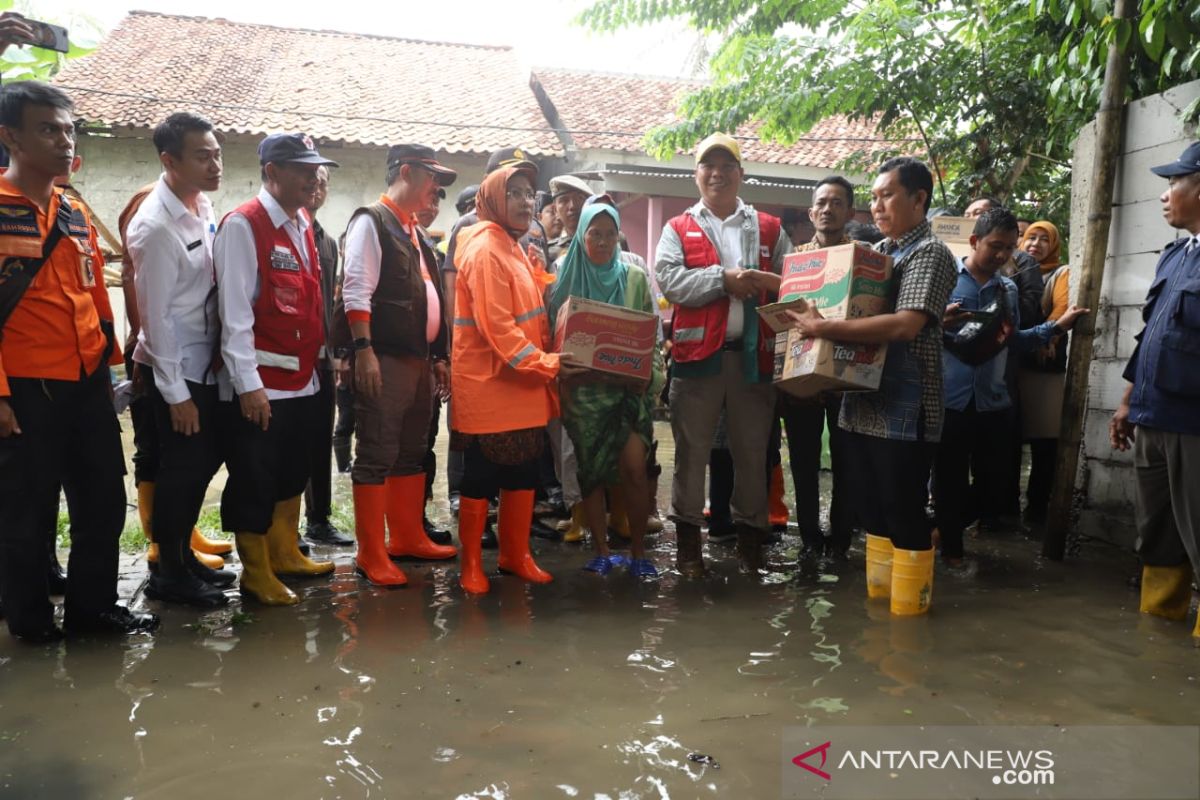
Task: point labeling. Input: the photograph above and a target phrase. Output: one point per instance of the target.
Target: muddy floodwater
(588, 687)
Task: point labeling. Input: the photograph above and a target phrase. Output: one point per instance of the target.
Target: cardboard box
(955, 232)
(844, 282)
(608, 338)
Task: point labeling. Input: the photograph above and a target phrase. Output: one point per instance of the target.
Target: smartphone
(49, 37)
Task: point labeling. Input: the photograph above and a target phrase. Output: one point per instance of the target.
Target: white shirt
(236, 259)
(171, 249)
(362, 262)
(730, 250)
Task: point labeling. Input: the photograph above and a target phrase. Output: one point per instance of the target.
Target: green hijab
(579, 277)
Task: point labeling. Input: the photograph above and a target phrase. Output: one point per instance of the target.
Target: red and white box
(609, 338)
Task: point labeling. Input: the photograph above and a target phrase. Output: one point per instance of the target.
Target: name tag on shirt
(282, 259)
(694, 235)
(194, 245)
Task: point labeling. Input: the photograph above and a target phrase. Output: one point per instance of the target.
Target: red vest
(699, 332)
(289, 324)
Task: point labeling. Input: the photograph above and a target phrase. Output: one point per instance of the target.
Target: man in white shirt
(170, 242)
(393, 303)
(272, 334)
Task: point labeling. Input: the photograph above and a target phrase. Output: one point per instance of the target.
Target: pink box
(608, 338)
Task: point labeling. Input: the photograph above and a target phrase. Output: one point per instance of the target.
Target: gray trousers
(696, 405)
(1167, 497)
(565, 465)
(392, 430)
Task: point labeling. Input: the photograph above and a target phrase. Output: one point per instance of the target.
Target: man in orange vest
(272, 333)
(717, 262)
(57, 423)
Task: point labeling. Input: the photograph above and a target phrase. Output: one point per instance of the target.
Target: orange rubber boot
(371, 561)
(405, 511)
(145, 490)
(472, 517)
(212, 547)
(777, 510)
(516, 513)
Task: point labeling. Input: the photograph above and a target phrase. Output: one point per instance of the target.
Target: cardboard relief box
(844, 282)
(955, 232)
(609, 338)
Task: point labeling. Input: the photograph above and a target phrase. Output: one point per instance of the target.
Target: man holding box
(892, 433)
(717, 262)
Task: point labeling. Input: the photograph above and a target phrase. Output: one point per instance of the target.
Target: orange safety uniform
(501, 375)
(54, 332)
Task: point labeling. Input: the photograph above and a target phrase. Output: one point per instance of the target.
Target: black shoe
(220, 578)
(436, 535)
(47, 635)
(544, 532)
(326, 533)
(117, 619)
(305, 549)
(454, 504)
(489, 540)
(187, 591)
(837, 553)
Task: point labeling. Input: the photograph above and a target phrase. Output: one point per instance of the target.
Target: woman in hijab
(609, 421)
(502, 377)
(1041, 377)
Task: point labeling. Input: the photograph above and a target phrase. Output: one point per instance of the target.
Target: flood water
(588, 687)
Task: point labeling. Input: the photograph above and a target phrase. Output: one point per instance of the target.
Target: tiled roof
(613, 112)
(257, 79)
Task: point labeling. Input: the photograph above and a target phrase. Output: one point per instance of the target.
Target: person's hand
(368, 380)
(763, 281)
(185, 417)
(808, 321)
(954, 316)
(441, 377)
(1071, 316)
(1120, 429)
(571, 369)
(14, 29)
(256, 408)
(737, 285)
(8, 420)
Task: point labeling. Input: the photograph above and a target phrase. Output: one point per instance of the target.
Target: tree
(976, 86)
(25, 62)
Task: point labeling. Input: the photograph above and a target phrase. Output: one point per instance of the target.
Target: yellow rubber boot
(575, 532)
(1166, 591)
(618, 516)
(145, 493)
(912, 581)
(1196, 632)
(258, 581)
(879, 567)
(213, 547)
(283, 543)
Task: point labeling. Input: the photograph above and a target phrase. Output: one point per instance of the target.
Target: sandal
(600, 565)
(642, 568)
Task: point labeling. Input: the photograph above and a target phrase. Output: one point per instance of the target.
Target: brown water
(587, 687)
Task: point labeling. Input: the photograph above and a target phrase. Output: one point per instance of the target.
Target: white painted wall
(1153, 136)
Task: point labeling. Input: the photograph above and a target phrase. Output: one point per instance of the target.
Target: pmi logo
(802, 761)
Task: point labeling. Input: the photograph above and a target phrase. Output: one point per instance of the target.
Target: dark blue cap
(1187, 163)
(297, 148)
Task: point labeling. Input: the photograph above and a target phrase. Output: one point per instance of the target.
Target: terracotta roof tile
(640, 103)
(258, 79)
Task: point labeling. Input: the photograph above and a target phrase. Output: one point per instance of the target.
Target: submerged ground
(587, 687)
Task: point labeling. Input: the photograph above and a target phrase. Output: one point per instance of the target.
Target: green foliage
(19, 63)
(992, 92)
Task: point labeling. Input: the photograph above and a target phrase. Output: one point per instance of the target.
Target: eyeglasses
(521, 194)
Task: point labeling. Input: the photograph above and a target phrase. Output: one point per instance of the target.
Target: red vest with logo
(289, 317)
(699, 332)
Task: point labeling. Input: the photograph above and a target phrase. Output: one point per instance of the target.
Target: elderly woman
(501, 377)
(1041, 376)
(609, 421)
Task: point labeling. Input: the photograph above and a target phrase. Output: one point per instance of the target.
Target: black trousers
(186, 465)
(805, 423)
(975, 444)
(69, 437)
(483, 479)
(1043, 453)
(145, 432)
(720, 488)
(890, 483)
(318, 495)
(455, 466)
(265, 467)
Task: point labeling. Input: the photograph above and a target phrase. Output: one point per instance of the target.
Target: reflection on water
(582, 688)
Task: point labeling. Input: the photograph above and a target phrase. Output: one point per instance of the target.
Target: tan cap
(719, 141)
(561, 184)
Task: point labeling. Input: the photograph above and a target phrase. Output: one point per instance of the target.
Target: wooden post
(1089, 274)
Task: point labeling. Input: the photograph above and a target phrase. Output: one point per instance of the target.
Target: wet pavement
(588, 687)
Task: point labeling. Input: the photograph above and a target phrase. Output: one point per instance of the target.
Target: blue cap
(297, 148)
(1187, 163)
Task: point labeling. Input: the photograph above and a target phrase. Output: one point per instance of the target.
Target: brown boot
(750, 548)
(689, 553)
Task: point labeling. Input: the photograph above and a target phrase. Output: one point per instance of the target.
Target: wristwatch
(361, 344)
